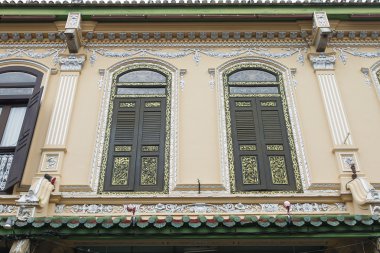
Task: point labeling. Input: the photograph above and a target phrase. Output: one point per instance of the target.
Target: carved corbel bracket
(363, 193)
(73, 32)
(37, 196)
(321, 31)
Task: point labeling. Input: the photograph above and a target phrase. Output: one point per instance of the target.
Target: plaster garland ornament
(343, 51)
(198, 208)
(32, 53)
(71, 62)
(196, 53)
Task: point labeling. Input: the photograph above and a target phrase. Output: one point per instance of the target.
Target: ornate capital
(71, 62)
(323, 61)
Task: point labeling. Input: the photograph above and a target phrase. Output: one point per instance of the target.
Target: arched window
(137, 150)
(260, 147)
(20, 95)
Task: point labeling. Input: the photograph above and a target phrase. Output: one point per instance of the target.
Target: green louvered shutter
(275, 145)
(151, 148)
(136, 151)
(123, 145)
(246, 145)
(261, 150)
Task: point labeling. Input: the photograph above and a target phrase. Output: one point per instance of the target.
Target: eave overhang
(186, 12)
(198, 227)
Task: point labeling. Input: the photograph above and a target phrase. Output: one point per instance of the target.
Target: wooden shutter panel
(123, 145)
(25, 139)
(246, 145)
(276, 151)
(151, 148)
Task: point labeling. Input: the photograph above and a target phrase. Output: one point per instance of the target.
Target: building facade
(189, 127)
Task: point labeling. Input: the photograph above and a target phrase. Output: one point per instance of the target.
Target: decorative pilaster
(345, 151)
(55, 142)
(323, 65)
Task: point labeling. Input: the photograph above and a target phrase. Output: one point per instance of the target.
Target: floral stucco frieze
(199, 208)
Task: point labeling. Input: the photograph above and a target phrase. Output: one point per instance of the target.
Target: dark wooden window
(262, 159)
(20, 95)
(136, 152)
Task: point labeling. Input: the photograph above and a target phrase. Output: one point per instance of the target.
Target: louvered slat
(271, 126)
(125, 127)
(245, 127)
(151, 132)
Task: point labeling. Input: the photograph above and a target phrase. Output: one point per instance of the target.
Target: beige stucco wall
(199, 144)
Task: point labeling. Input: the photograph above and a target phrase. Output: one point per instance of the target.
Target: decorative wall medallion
(24, 213)
(347, 160)
(50, 162)
(71, 62)
(200, 208)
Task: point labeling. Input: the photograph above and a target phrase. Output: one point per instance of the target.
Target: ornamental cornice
(102, 3)
(322, 61)
(71, 62)
(110, 36)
